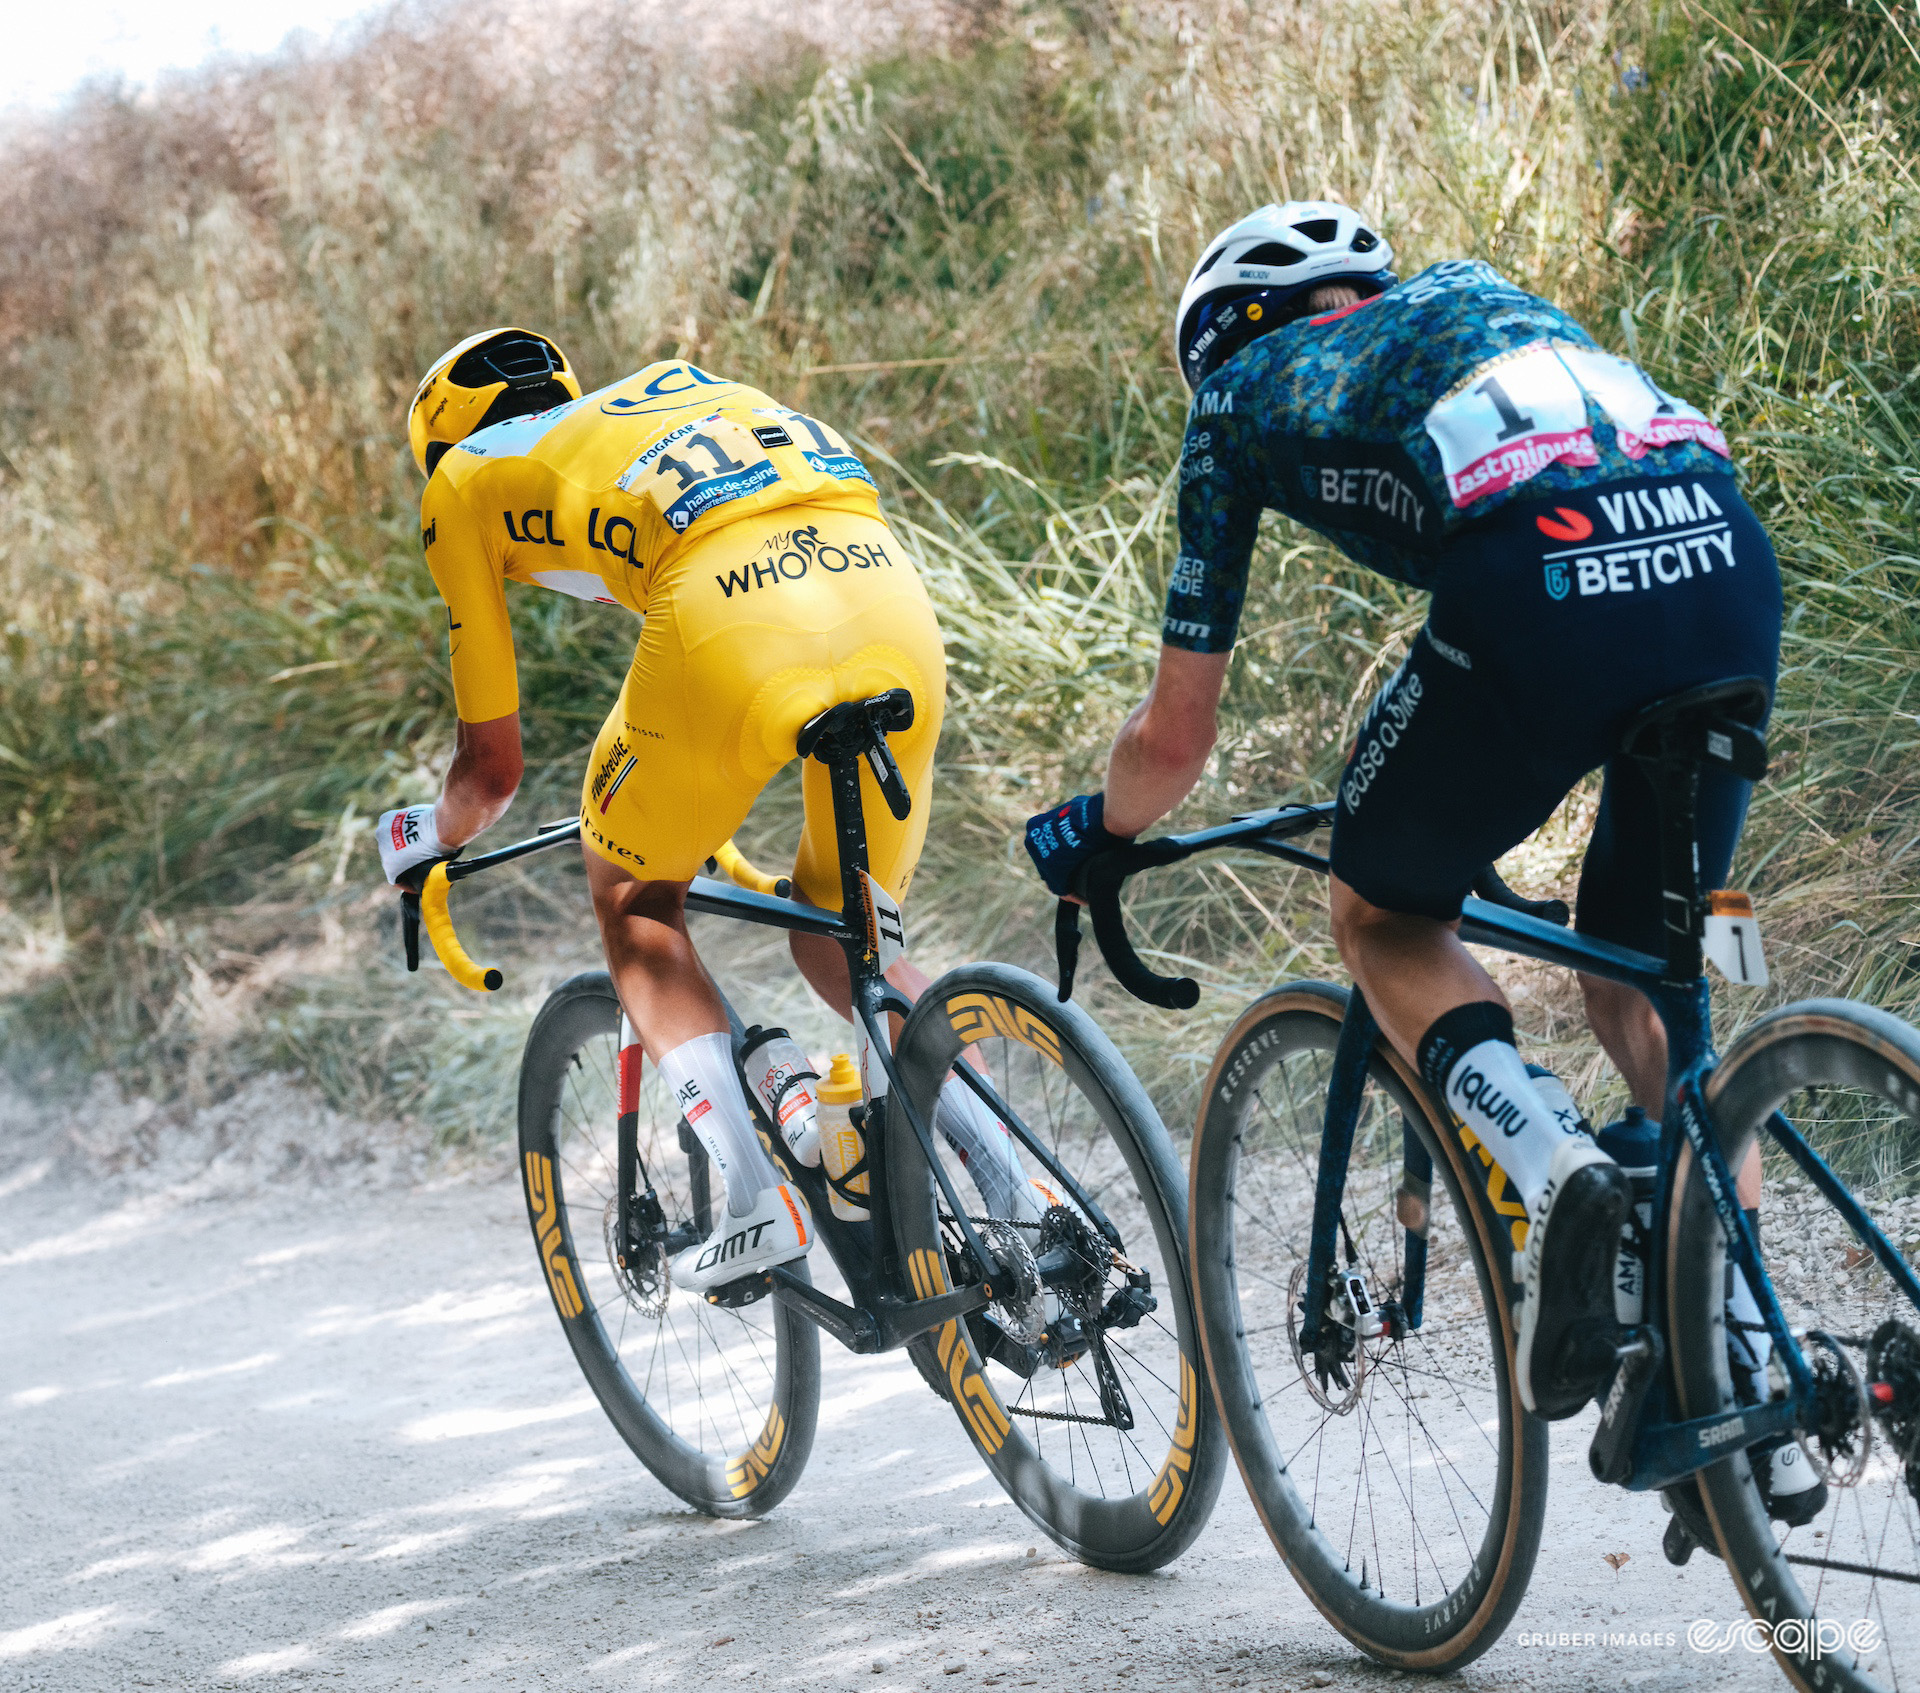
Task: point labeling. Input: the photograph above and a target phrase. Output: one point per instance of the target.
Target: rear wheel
(718, 1403)
(1840, 1593)
(1398, 1474)
(1081, 1385)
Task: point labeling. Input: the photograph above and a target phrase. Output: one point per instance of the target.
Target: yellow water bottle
(843, 1149)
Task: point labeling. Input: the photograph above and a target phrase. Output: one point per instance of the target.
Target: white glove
(406, 838)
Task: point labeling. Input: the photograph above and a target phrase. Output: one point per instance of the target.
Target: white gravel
(299, 1434)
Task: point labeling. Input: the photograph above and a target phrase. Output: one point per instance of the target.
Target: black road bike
(1067, 1346)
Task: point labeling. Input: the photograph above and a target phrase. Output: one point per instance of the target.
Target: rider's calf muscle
(1412, 970)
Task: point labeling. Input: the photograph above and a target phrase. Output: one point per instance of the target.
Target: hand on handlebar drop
(407, 838)
(1061, 840)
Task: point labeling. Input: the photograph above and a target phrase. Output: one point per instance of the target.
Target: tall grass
(223, 655)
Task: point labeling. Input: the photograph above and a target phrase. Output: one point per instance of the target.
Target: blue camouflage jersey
(1389, 426)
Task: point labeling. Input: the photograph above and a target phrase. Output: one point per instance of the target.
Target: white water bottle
(782, 1080)
(843, 1149)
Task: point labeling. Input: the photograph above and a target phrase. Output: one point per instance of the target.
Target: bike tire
(1262, 1115)
(1112, 1501)
(1839, 1069)
(726, 1403)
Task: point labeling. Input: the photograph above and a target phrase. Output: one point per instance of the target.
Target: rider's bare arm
(482, 780)
(1166, 740)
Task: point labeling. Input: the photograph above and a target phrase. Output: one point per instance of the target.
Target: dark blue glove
(1061, 840)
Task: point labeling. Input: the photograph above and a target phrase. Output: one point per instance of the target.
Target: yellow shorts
(750, 635)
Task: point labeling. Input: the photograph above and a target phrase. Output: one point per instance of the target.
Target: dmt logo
(544, 1204)
(974, 1016)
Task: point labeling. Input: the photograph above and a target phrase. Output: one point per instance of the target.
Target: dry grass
(223, 651)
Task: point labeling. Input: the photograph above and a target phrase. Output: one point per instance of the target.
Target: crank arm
(1670, 1452)
(855, 1330)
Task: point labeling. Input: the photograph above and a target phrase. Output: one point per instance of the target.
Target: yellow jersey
(597, 497)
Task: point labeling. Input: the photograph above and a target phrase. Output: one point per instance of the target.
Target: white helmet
(1265, 260)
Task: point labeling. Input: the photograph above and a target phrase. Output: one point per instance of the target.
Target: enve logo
(1573, 525)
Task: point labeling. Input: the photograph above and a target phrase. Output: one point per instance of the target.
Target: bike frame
(885, 1313)
(1639, 1445)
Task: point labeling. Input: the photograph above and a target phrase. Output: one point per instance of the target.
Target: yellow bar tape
(742, 874)
(439, 924)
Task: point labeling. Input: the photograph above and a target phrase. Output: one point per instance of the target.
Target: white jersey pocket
(579, 584)
(1508, 421)
(1644, 416)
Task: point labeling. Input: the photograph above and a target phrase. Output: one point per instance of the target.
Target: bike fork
(1345, 1089)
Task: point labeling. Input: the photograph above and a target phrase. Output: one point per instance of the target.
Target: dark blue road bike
(1358, 1315)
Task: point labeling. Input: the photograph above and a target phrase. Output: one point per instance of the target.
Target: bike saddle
(1719, 720)
(859, 729)
(883, 714)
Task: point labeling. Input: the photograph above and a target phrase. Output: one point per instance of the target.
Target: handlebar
(1269, 833)
(743, 875)
(424, 891)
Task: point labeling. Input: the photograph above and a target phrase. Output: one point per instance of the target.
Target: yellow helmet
(488, 378)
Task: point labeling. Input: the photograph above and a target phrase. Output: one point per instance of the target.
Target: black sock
(1459, 1031)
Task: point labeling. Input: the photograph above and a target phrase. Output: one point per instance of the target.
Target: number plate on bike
(1732, 939)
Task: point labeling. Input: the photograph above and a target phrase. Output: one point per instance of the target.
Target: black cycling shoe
(1567, 1331)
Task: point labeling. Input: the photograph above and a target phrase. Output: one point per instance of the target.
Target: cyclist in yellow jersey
(748, 537)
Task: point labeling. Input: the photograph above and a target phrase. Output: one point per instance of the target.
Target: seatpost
(849, 819)
(1677, 787)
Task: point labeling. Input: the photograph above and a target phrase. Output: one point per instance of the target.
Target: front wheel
(1081, 1386)
(1838, 1594)
(718, 1403)
(1391, 1461)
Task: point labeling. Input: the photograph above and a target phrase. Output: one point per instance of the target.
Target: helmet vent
(1271, 253)
(1318, 230)
(1364, 241)
(516, 360)
(1213, 259)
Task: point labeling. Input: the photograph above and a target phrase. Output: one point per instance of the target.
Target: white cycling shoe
(777, 1230)
(1566, 1331)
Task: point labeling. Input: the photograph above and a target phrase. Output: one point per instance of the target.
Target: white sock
(1489, 1090)
(1748, 1349)
(985, 1147)
(705, 1085)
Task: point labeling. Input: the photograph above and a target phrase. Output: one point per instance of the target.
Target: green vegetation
(223, 654)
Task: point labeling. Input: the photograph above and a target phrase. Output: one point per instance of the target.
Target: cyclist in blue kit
(1587, 552)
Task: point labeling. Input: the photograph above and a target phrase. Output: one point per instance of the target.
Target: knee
(1353, 920)
(637, 918)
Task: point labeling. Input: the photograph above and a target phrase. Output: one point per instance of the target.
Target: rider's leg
(1446, 1015)
(974, 1132)
(680, 1018)
(1442, 780)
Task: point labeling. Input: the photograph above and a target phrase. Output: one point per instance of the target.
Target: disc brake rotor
(1839, 1446)
(646, 1279)
(1323, 1372)
(1021, 1309)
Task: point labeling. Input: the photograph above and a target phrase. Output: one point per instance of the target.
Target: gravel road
(314, 1436)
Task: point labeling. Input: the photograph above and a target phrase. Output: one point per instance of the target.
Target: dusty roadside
(308, 1435)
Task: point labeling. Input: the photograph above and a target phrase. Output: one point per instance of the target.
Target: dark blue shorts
(1552, 623)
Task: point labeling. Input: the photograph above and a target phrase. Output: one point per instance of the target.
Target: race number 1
(1508, 421)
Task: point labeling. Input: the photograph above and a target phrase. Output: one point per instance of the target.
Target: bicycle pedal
(748, 1290)
(1640, 1355)
(1678, 1542)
